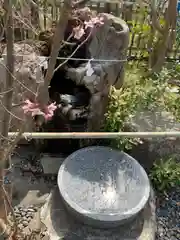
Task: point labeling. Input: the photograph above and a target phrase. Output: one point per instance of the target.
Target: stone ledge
(51, 164)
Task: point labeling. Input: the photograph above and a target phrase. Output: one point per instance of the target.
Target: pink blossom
(28, 105)
(95, 21)
(31, 107)
(34, 109)
(49, 111)
(78, 32)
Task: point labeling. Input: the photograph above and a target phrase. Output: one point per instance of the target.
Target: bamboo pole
(95, 135)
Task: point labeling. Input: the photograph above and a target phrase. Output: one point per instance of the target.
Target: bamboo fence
(137, 18)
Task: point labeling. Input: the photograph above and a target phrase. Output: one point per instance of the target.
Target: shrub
(165, 174)
(138, 94)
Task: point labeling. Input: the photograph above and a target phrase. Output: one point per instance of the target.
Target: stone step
(51, 163)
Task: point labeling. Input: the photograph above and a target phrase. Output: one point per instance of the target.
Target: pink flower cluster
(94, 22)
(34, 109)
(79, 31)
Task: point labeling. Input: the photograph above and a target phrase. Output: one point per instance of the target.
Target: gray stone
(25, 223)
(29, 215)
(20, 226)
(16, 211)
(102, 186)
(24, 218)
(28, 219)
(18, 215)
(31, 210)
(62, 225)
(51, 164)
(23, 214)
(111, 43)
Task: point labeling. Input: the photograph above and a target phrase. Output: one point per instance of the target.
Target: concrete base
(61, 225)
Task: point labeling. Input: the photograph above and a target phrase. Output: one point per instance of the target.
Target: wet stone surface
(103, 186)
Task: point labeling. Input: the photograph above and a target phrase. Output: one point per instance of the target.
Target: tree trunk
(166, 40)
(7, 103)
(43, 94)
(10, 70)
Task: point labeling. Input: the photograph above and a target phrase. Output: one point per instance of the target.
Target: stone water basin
(103, 187)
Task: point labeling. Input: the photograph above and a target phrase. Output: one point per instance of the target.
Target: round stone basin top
(105, 185)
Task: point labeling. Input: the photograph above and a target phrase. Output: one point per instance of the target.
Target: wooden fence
(138, 19)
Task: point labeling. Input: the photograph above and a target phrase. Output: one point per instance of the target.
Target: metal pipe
(97, 135)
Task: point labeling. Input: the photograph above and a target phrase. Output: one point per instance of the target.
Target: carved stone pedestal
(61, 225)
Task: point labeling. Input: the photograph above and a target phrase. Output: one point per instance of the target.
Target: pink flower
(78, 32)
(49, 111)
(34, 109)
(28, 105)
(95, 21)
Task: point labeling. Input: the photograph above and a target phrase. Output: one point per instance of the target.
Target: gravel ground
(24, 215)
(168, 216)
